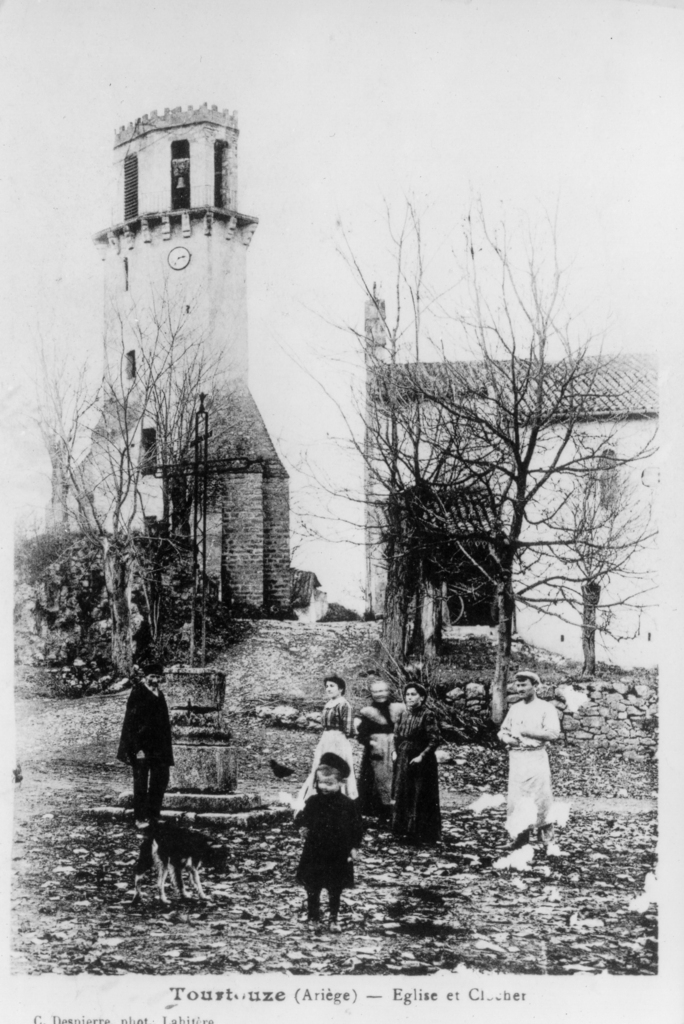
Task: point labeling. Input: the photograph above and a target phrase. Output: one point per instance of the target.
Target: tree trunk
(505, 602)
(180, 500)
(395, 620)
(117, 574)
(428, 634)
(397, 591)
(591, 595)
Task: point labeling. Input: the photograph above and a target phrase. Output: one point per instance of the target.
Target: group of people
(398, 778)
(398, 783)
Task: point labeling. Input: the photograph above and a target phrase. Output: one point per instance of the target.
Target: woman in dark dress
(416, 816)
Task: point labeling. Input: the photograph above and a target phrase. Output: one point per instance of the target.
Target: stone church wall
(276, 499)
(243, 536)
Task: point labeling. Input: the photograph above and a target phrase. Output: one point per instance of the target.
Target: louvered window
(131, 186)
(221, 173)
(180, 175)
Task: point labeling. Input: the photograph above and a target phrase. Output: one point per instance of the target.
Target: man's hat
(334, 761)
(532, 676)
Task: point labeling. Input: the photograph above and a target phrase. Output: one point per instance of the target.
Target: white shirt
(534, 716)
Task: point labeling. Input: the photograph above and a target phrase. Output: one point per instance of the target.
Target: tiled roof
(619, 386)
(303, 585)
(625, 385)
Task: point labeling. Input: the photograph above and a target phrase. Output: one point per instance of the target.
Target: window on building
(148, 454)
(130, 365)
(125, 264)
(131, 186)
(180, 175)
(609, 478)
(221, 173)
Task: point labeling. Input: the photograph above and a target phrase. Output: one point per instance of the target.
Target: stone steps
(239, 819)
(204, 803)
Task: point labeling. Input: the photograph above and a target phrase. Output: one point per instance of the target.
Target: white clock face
(179, 258)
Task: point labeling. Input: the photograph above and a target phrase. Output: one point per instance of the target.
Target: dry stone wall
(619, 715)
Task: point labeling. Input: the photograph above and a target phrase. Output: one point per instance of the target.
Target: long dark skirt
(416, 814)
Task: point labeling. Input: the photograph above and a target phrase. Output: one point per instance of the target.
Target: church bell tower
(177, 232)
(179, 243)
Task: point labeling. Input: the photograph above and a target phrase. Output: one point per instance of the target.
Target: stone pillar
(205, 761)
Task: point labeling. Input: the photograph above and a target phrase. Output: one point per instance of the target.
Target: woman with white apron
(337, 728)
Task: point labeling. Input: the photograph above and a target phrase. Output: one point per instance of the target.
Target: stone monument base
(204, 803)
(203, 768)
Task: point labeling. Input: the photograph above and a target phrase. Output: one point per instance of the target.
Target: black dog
(170, 849)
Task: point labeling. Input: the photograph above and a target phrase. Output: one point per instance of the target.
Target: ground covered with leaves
(412, 912)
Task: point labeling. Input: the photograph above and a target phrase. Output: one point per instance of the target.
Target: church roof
(240, 432)
(608, 386)
(625, 385)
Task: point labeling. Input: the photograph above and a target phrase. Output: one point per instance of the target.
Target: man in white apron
(528, 727)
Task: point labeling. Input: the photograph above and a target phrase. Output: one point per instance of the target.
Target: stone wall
(618, 715)
(276, 499)
(243, 536)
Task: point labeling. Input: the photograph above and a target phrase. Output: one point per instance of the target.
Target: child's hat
(330, 760)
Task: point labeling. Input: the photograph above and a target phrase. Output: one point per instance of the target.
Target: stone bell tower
(178, 235)
(179, 244)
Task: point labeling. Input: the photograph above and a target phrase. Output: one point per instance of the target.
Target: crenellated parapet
(175, 117)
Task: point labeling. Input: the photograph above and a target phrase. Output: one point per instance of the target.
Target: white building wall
(213, 285)
(633, 642)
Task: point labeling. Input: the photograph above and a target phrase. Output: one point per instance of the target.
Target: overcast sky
(343, 106)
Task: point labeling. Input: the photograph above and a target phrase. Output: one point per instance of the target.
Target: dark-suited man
(146, 745)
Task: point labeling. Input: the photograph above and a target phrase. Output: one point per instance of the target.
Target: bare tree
(472, 461)
(108, 443)
(403, 458)
(526, 414)
(599, 564)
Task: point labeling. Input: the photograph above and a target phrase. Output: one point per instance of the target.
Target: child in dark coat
(333, 835)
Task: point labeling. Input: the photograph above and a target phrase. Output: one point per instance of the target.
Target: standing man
(528, 727)
(374, 730)
(146, 745)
